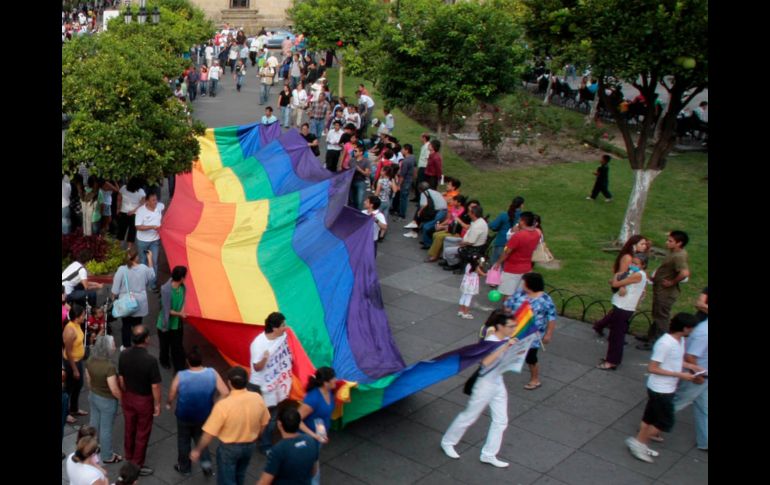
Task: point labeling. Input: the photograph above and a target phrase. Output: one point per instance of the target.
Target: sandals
(657, 439)
(606, 366)
(81, 413)
(71, 419)
(532, 387)
(114, 459)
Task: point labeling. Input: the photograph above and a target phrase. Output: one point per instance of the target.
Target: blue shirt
(321, 409)
(542, 307)
(502, 224)
(291, 460)
(196, 395)
(697, 343)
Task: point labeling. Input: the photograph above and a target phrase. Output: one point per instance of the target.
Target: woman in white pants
(489, 390)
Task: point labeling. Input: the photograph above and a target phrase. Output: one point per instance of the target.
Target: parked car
(275, 40)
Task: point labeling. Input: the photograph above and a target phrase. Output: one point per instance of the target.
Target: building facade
(252, 15)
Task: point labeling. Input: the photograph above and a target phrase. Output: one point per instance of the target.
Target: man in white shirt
(148, 218)
(425, 216)
(209, 54)
(372, 208)
(390, 122)
(214, 73)
(665, 370)
(422, 162)
(270, 370)
(266, 76)
(475, 236)
(365, 110)
(74, 279)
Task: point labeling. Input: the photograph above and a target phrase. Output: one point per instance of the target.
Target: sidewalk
(569, 431)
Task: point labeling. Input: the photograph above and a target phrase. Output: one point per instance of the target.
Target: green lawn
(576, 229)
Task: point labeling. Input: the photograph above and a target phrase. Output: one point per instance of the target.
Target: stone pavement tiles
(570, 431)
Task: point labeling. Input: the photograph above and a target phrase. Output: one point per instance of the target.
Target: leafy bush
(104, 254)
(491, 133)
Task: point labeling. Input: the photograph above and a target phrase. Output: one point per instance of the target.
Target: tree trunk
(342, 68)
(632, 221)
(548, 91)
(594, 110)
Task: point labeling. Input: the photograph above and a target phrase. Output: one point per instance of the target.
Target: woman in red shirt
(516, 259)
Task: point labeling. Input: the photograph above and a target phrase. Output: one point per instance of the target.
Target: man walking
(266, 76)
(214, 73)
(271, 363)
(194, 390)
(665, 370)
(192, 83)
(665, 286)
(171, 319)
(139, 378)
(319, 114)
(237, 422)
(295, 458)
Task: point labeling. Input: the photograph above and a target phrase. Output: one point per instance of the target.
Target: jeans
(317, 127)
(429, 227)
(73, 385)
(192, 90)
(153, 246)
(294, 81)
(404, 194)
(65, 403)
(357, 192)
(186, 432)
(80, 296)
(265, 440)
(285, 111)
(264, 94)
(239, 82)
(65, 220)
(485, 392)
(214, 84)
(103, 411)
(697, 394)
(496, 252)
(232, 461)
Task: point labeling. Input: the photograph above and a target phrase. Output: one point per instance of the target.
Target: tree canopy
(124, 120)
(327, 22)
(448, 55)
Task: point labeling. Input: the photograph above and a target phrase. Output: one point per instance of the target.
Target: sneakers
(638, 449)
(122, 348)
(589, 198)
(449, 451)
(468, 316)
(207, 471)
(460, 314)
(607, 200)
(411, 225)
(492, 460)
(145, 470)
(411, 234)
(179, 470)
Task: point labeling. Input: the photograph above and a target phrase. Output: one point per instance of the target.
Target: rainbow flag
(525, 323)
(263, 227)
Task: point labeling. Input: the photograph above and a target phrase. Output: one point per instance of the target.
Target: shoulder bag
(126, 304)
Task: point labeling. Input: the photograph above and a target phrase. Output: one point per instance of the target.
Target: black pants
(73, 386)
(603, 187)
(432, 181)
(128, 325)
(126, 227)
(332, 158)
(171, 344)
(253, 57)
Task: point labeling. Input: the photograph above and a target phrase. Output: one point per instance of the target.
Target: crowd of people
(83, 18)
(248, 410)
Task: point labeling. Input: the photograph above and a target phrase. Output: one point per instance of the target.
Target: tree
(647, 43)
(124, 120)
(449, 55)
(338, 25)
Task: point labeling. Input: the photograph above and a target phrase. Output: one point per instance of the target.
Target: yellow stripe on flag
(209, 157)
(253, 292)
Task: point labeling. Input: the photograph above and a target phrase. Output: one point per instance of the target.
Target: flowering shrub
(103, 255)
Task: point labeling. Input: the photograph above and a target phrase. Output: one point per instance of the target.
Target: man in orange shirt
(237, 421)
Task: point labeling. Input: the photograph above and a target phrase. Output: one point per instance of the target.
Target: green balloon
(494, 295)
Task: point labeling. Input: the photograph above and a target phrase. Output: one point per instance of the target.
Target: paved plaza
(569, 431)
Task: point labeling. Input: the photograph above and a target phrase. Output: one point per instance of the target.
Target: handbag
(494, 276)
(541, 254)
(468, 387)
(126, 304)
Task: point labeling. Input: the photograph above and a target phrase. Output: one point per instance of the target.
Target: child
(96, 324)
(240, 72)
(602, 180)
(386, 186)
(371, 208)
(470, 286)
